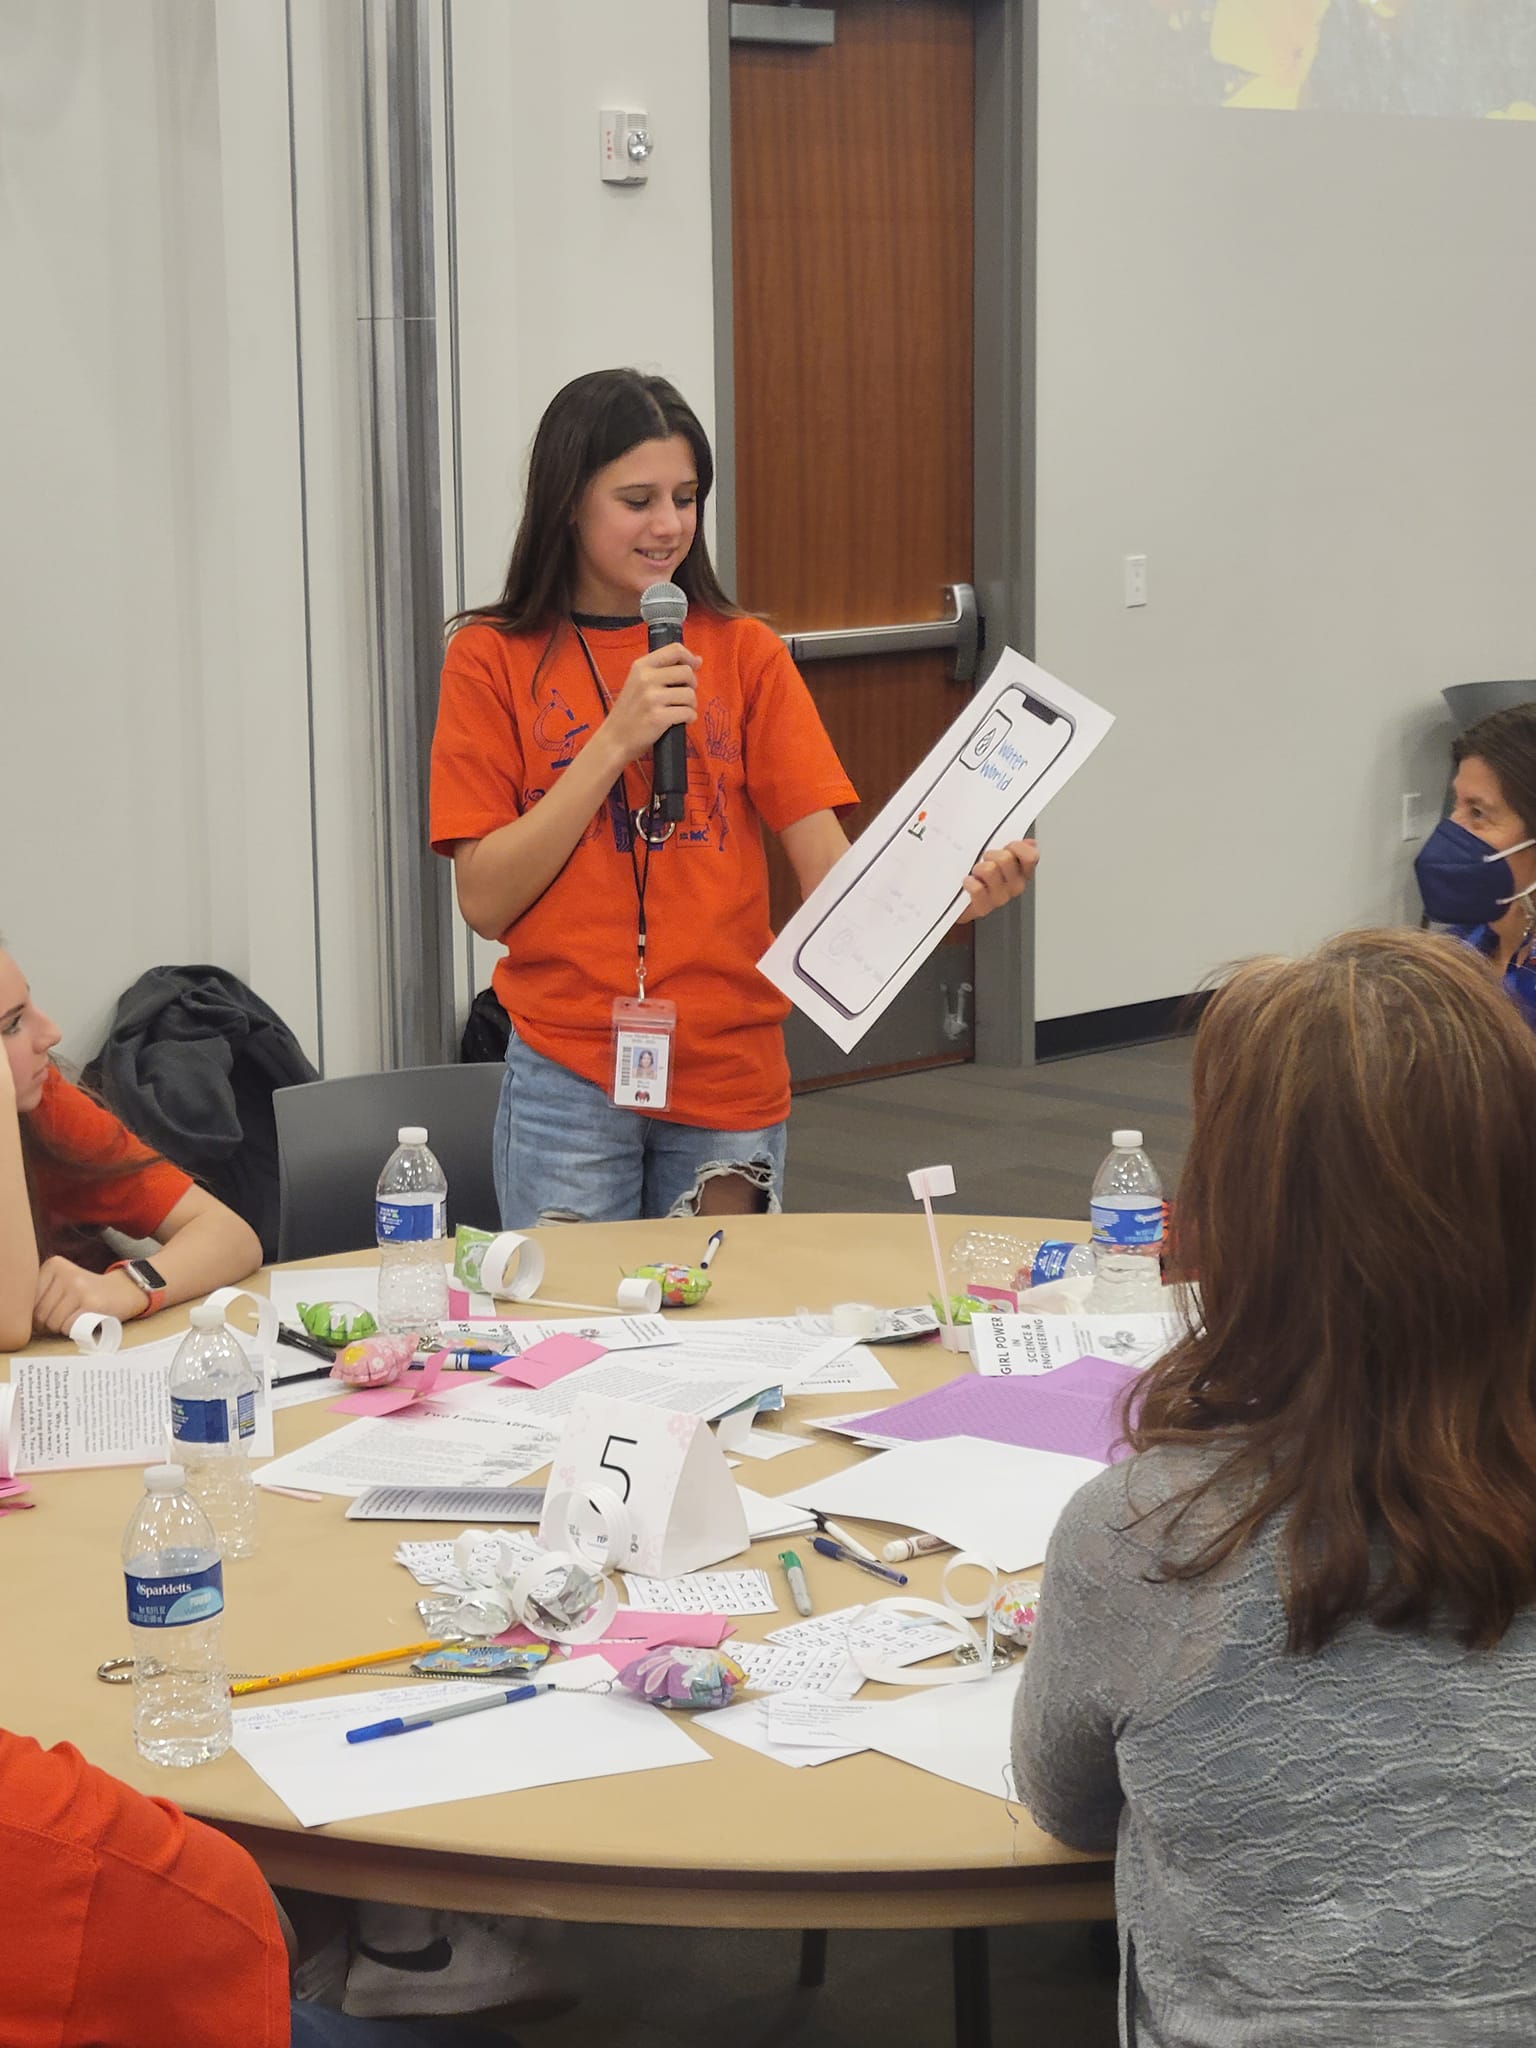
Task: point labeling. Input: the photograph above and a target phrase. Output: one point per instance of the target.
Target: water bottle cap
(1126, 1141)
(412, 1134)
(206, 1317)
(165, 1479)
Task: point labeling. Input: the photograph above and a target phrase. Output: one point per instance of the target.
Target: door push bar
(961, 630)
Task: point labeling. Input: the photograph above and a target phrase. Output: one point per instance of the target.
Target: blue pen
(402, 1724)
(476, 1361)
(865, 1564)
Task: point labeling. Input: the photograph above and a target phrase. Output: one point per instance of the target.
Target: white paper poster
(864, 931)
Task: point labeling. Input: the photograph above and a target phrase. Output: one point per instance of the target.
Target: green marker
(796, 1578)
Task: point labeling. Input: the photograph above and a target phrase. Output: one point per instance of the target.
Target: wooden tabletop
(865, 1841)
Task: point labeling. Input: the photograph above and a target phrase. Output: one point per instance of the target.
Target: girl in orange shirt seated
(68, 1171)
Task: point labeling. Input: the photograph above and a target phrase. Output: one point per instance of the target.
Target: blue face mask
(1463, 880)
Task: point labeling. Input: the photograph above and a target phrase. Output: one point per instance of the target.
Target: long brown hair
(589, 423)
(1359, 1201)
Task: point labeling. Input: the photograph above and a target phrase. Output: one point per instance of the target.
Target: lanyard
(641, 820)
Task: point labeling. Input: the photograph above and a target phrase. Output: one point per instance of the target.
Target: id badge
(642, 1052)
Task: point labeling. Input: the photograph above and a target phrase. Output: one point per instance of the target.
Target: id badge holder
(643, 1030)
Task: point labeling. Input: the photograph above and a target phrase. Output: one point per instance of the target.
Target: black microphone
(664, 608)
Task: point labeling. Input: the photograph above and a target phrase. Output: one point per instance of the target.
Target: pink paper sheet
(550, 1359)
(417, 1383)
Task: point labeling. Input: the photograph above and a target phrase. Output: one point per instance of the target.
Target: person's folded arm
(203, 1245)
(18, 1239)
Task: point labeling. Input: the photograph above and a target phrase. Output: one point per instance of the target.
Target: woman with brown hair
(1286, 1659)
(1477, 869)
(68, 1171)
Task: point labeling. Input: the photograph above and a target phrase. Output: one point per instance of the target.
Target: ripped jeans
(565, 1154)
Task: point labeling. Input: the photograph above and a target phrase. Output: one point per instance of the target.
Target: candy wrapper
(374, 1361)
(1015, 1607)
(468, 1253)
(681, 1286)
(336, 1322)
(677, 1677)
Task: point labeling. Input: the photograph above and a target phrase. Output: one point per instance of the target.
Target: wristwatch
(146, 1276)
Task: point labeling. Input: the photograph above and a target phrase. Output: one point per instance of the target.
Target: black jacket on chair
(190, 1064)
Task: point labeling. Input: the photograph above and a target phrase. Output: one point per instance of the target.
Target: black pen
(301, 1340)
(297, 1379)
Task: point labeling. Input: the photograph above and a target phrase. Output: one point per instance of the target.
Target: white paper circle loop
(513, 1267)
(640, 1296)
(536, 1597)
(225, 1298)
(855, 1319)
(594, 1524)
(89, 1332)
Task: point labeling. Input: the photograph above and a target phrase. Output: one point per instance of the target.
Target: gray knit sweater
(1338, 1848)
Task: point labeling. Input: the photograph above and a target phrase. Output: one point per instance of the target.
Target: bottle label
(175, 1602)
(1051, 1261)
(1138, 1225)
(245, 1411)
(203, 1422)
(407, 1219)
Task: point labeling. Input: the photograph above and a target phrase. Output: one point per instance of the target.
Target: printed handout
(863, 932)
(73, 1414)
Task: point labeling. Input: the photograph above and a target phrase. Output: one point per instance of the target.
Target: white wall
(1289, 358)
(557, 272)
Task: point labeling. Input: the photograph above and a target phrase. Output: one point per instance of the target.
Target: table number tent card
(682, 1505)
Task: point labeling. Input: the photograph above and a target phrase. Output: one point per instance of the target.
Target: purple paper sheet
(1075, 1410)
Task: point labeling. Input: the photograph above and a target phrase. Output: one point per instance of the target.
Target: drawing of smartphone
(909, 890)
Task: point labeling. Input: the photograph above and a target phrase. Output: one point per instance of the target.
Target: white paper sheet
(863, 932)
(323, 1283)
(878, 1630)
(798, 1720)
(643, 1377)
(300, 1749)
(746, 1723)
(1006, 1344)
(744, 1592)
(614, 1333)
(419, 1448)
(857, 1371)
(993, 1498)
(783, 1667)
(767, 1517)
(447, 1504)
(959, 1732)
(431, 1564)
(769, 1443)
(78, 1414)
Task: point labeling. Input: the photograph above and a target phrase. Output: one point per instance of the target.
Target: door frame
(1003, 564)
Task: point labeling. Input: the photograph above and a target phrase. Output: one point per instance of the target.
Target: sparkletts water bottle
(213, 1423)
(996, 1267)
(1127, 1211)
(410, 1221)
(175, 1586)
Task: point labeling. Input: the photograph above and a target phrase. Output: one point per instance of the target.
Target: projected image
(1472, 58)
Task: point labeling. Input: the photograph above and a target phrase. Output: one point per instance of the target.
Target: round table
(864, 1842)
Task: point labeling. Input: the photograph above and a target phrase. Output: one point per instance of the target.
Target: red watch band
(154, 1297)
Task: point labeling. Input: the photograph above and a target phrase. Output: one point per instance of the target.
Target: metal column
(398, 330)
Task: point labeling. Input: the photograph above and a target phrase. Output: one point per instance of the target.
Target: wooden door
(851, 182)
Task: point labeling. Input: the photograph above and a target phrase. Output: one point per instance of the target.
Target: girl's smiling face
(27, 1035)
(634, 526)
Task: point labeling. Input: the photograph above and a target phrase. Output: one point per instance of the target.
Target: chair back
(1468, 702)
(333, 1138)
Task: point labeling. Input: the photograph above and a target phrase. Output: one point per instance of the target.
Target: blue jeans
(566, 1154)
(318, 2026)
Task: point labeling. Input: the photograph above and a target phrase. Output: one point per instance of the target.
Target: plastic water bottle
(996, 1267)
(410, 1221)
(1127, 1212)
(213, 1420)
(175, 1586)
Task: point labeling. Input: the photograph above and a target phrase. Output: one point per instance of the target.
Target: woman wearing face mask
(1477, 870)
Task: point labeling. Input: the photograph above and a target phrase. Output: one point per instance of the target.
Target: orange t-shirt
(757, 754)
(125, 1922)
(111, 1180)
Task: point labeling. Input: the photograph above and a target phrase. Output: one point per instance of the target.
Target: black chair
(333, 1138)
(1468, 702)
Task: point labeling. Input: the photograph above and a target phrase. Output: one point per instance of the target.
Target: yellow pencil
(242, 1685)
